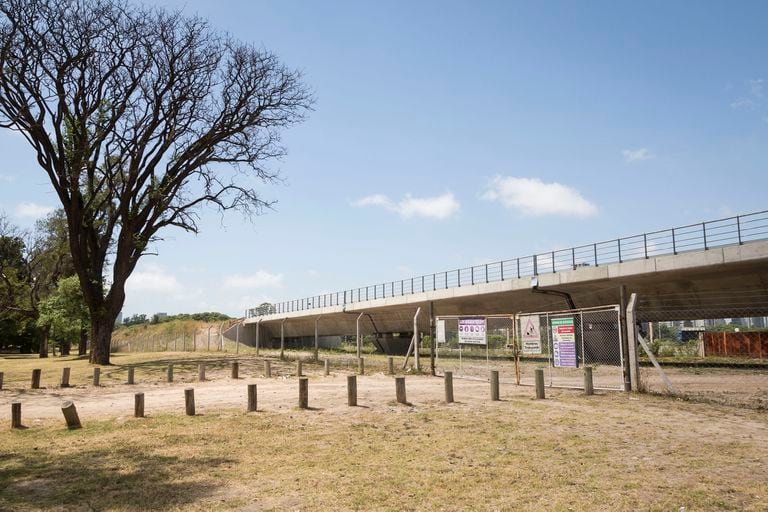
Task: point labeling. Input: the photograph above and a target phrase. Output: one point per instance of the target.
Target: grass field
(612, 451)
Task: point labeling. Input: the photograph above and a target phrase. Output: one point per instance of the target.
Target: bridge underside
(694, 285)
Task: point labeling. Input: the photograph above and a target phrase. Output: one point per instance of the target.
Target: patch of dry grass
(567, 453)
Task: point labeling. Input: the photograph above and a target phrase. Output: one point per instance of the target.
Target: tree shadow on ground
(126, 479)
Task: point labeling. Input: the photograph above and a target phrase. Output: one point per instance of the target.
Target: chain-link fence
(709, 347)
(562, 342)
(174, 338)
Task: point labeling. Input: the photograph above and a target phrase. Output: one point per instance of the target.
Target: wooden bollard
(201, 372)
(96, 376)
(268, 369)
(448, 378)
(391, 365)
(327, 367)
(65, 377)
(16, 415)
(189, 401)
(298, 369)
(70, 415)
(130, 374)
(235, 370)
(495, 385)
(351, 390)
(138, 405)
(169, 373)
(361, 366)
(589, 388)
(36, 378)
(251, 397)
(539, 383)
(1, 380)
(400, 390)
(303, 393)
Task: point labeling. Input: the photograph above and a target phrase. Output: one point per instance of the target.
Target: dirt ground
(612, 451)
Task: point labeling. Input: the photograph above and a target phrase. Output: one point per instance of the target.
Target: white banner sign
(472, 330)
(441, 331)
(531, 334)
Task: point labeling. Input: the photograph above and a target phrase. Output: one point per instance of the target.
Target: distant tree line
(208, 316)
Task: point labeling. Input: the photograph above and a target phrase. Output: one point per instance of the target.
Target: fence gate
(561, 342)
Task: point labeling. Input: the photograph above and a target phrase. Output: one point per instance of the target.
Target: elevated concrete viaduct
(697, 273)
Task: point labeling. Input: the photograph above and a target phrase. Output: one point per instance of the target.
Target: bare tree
(139, 116)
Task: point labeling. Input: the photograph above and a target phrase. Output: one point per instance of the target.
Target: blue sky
(447, 134)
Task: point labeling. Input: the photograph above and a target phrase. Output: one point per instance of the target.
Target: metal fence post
(634, 364)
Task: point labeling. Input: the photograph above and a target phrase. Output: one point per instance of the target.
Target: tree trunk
(44, 343)
(65, 348)
(82, 346)
(101, 338)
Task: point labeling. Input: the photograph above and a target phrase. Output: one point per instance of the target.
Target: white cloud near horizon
(531, 196)
(438, 207)
(259, 279)
(637, 155)
(32, 211)
(152, 278)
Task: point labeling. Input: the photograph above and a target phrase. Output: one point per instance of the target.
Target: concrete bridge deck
(730, 268)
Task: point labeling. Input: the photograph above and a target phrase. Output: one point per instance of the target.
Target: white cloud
(756, 87)
(438, 207)
(259, 279)
(153, 278)
(32, 210)
(743, 104)
(637, 155)
(534, 197)
(6, 178)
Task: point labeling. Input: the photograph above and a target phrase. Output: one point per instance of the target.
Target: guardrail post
(138, 405)
(189, 401)
(495, 385)
(400, 390)
(16, 415)
(645, 245)
(618, 244)
(303, 393)
(589, 388)
(539, 383)
(252, 398)
(704, 232)
(351, 390)
(448, 378)
(738, 228)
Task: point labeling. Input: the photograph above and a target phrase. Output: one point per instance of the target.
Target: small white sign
(530, 334)
(472, 331)
(440, 331)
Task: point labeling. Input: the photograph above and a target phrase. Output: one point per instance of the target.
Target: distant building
(161, 316)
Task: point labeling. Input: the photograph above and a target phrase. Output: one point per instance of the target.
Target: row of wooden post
(235, 369)
(73, 421)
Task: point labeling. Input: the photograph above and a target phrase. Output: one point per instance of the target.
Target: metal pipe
(358, 340)
(416, 339)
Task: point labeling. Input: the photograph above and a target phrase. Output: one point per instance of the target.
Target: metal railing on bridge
(701, 236)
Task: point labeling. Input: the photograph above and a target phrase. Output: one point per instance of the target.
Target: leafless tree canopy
(138, 116)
